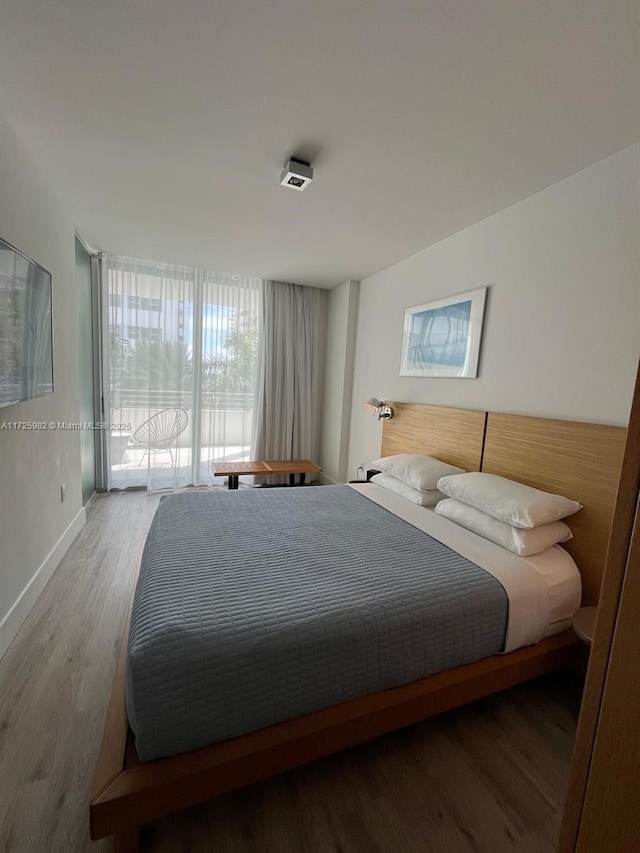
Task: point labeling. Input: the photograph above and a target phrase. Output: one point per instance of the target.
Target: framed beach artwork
(442, 338)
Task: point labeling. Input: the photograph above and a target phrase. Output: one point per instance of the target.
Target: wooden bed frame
(579, 460)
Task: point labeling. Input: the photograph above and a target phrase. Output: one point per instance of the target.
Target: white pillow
(419, 472)
(429, 498)
(513, 503)
(525, 543)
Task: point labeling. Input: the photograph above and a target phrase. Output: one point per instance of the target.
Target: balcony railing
(136, 398)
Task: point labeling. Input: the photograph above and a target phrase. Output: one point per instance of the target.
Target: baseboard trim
(327, 481)
(21, 608)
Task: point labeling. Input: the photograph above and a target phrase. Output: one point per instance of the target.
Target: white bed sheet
(543, 590)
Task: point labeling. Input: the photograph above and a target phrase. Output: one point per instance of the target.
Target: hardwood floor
(488, 777)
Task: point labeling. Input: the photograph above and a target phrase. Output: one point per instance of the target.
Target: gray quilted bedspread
(256, 606)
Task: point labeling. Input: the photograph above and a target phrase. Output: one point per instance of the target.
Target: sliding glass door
(182, 346)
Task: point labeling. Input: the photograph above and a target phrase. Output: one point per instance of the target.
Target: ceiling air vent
(297, 174)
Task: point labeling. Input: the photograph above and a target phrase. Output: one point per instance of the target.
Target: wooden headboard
(452, 435)
(579, 460)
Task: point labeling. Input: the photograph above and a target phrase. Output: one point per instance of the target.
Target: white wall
(342, 310)
(562, 327)
(36, 528)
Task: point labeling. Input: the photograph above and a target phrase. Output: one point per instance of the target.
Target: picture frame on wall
(442, 338)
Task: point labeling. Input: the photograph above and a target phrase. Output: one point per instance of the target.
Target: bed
(291, 667)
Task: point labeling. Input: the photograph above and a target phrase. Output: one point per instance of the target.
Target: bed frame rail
(128, 794)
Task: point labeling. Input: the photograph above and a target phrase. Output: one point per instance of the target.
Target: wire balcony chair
(159, 432)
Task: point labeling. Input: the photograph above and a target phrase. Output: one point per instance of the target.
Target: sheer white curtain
(289, 373)
(181, 366)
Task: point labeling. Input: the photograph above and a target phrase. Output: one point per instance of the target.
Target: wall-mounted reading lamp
(379, 407)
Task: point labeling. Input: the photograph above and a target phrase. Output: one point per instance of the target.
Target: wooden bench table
(233, 470)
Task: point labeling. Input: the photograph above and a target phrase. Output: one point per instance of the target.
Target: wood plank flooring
(488, 777)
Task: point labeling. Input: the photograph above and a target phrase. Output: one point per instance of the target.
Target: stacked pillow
(413, 476)
(425, 498)
(520, 518)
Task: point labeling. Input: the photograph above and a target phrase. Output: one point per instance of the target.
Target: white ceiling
(165, 123)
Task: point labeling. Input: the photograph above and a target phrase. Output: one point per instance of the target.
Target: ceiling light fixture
(297, 174)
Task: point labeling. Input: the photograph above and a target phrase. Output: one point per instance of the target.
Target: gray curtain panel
(289, 379)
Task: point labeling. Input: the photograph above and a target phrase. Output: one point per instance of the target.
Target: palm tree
(158, 365)
(232, 369)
